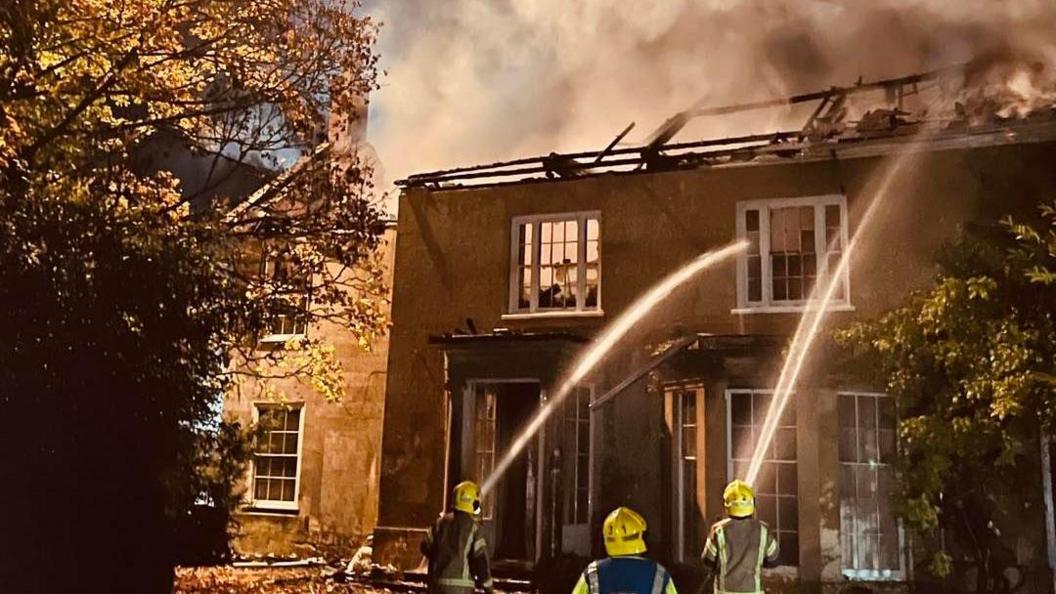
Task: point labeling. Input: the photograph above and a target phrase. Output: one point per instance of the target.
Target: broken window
(276, 456)
(869, 532)
(290, 285)
(776, 487)
(556, 263)
(792, 243)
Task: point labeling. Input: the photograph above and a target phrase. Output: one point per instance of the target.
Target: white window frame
(875, 575)
(271, 504)
(767, 304)
(784, 569)
(678, 393)
(533, 311)
(281, 338)
(591, 395)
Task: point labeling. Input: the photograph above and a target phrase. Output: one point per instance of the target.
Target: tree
(130, 303)
(972, 363)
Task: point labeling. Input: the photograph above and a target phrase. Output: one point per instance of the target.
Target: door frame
(469, 410)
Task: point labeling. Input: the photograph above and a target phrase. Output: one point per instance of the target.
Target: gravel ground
(294, 580)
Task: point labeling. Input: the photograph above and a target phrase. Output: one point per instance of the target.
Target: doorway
(500, 410)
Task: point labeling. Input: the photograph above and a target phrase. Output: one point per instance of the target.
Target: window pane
(742, 442)
(848, 445)
(785, 444)
(751, 220)
(847, 415)
(887, 413)
(832, 215)
(760, 407)
(787, 514)
(789, 543)
(766, 482)
(741, 409)
(787, 481)
(887, 446)
(766, 509)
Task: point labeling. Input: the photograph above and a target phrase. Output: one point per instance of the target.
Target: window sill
(281, 338)
(775, 309)
(538, 315)
(784, 571)
(872, 575)
(270, 508)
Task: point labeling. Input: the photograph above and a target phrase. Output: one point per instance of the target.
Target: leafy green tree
(130, 303)
(971, 360)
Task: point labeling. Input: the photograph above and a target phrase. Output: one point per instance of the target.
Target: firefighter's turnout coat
(738, 549)
(625, 575)
(457, 554)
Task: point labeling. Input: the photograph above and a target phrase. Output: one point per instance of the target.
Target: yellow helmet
(467, 497)
(624, 531)
(739, 499)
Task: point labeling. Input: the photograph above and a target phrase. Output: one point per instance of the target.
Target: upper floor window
(277, 456)
(793, 243)
(291, 286)
(556, 263)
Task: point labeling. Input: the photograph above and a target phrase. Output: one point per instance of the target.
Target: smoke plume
(475, 81)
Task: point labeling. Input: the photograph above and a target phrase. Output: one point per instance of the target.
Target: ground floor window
(776, 487)
(276, 456)
(869, 532)
(484, 433)
(686, 404)
(576, 453)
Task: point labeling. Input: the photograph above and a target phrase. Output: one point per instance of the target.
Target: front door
(500, 411)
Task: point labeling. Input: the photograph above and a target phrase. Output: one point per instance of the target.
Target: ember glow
(609, 337)
(576, 73)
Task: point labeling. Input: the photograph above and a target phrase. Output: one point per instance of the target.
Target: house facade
(311, 486)
(502, 278)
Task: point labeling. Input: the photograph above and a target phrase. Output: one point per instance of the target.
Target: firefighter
(457, 553)
(740, 546)
(625, 571)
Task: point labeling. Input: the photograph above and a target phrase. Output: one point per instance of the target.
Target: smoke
(475, 81)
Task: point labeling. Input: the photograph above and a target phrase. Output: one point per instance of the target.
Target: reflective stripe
(480, 545)
(456, 582)
(465, 554)
(772, 548)
(759, 560)
(592, 578)
(658, 581)
(709, 548)
(720, 583)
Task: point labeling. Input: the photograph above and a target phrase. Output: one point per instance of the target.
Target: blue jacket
(625, 575)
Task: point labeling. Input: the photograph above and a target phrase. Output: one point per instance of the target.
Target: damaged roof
(863, 119)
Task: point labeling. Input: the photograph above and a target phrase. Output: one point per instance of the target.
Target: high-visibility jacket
(738, 549)
(625, 575)
(457, 554)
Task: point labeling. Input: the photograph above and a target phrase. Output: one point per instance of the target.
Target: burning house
(505, 272)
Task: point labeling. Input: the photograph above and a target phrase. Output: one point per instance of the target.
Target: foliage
(971, 361)
(130, 299)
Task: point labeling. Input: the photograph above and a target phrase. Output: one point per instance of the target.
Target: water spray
(810, 324)
(611, 335)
